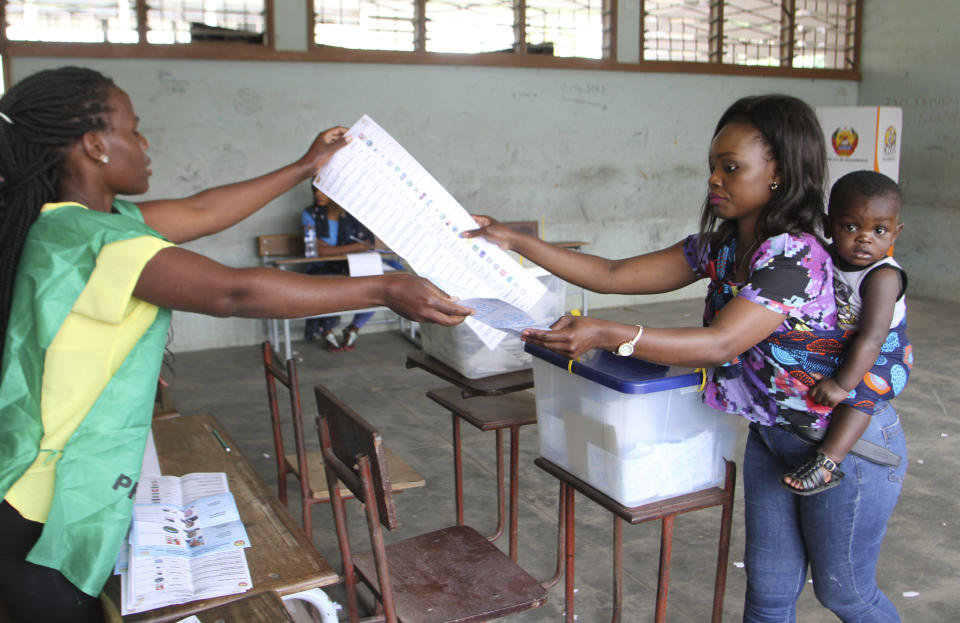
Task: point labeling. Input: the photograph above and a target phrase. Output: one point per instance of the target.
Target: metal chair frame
(493, 586)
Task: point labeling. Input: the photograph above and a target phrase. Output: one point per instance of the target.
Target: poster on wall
(862, 137)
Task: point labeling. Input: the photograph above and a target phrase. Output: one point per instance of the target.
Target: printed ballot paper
(386, 189)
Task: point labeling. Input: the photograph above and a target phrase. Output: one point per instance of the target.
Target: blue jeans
(837, 532)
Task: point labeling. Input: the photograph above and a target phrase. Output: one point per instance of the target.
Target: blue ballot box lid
(623, 374)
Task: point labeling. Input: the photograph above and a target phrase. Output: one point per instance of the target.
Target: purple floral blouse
(791, 275)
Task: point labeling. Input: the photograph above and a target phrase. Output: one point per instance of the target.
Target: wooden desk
(665, 511)
(259, 608)
(280, 557)
(496, 413)
(495, 385)
(293, 262)
(288, 263)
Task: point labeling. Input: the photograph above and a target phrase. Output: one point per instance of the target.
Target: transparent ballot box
(635, 430)
(461, 349)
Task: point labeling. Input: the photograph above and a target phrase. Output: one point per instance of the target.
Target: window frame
(144, 49)
(318, 53)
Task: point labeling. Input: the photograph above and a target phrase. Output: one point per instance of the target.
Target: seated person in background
(335, 233)
(864, 220)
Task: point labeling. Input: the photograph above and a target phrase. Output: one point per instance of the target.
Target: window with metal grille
(90, 21)
(819, 34)
(364, 24)
(115, 21)
(751, 32)
(566, 27)
(805, 37)
(677, 30)
(185, 21)
(825, 34)
(571, 28)
(469, 26)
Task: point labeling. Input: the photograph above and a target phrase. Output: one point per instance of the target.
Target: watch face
(625, 349)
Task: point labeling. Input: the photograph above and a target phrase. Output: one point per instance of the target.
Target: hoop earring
(104, 158)
(774, 185)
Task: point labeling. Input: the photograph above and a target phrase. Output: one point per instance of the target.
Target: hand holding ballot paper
(501, 315)
(385, 188)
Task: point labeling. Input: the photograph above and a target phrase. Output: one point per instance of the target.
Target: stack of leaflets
(186, 542)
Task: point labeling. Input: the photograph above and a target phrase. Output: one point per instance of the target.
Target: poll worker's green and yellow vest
(80, 366)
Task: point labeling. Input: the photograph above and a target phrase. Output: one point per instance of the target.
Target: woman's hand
(493, 230)
(572, 336)
(417, 299)
(827, 393)
(215, 209)
(324, 146)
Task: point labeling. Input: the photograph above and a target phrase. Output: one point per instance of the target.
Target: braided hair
(40, 117)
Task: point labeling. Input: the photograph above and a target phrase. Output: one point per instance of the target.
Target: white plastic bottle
(309, 241)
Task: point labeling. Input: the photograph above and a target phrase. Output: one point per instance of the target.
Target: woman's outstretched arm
(660, 271)
(180, 279)
(740, 325)
(216, 209)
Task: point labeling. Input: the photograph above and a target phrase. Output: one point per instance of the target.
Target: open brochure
(186, 542)
(192, 515)
(160, 581)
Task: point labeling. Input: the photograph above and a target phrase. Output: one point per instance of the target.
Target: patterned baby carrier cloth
(807, 354)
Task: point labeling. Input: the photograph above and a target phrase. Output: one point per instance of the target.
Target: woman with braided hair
(87, 282)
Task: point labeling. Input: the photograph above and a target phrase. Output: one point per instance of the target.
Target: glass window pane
(364, 24)
(469, 27)
(89, 21)
(751, 32)
(824, 34)
(183, 21)
(568, 27)
(676, 30)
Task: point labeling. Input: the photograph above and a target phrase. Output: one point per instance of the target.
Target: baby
(864, 211)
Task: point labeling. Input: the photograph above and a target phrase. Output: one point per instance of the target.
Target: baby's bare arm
(880, 292)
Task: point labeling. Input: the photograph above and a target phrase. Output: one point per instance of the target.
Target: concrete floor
(919, 567)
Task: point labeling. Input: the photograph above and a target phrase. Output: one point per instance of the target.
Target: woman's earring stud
(104, 158)
(774, 185)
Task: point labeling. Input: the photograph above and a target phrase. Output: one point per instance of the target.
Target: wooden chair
(307, 467)
(163, 406)
(506, 413)
(452, 574)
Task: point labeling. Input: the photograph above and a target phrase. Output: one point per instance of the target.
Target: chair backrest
(274, 245)
(163, 406)
(288, 378)
(346, 438)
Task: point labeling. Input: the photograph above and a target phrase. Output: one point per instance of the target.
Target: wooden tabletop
(284, 262)
(495, 385)
(258, 608)
(280, 557)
